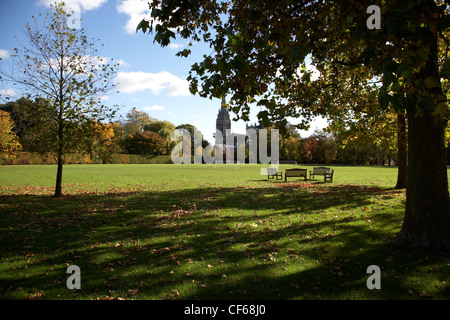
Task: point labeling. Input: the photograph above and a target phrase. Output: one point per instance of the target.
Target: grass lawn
(207, 232)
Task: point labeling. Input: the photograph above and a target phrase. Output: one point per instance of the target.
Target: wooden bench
(327, 173)
(295, 173)
(272, 173)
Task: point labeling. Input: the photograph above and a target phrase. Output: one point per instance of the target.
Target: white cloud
(175, 46)
(77, 5)
(153, 108)
(136, 11)
(131, 82)
(122, 63)
(85, 64)
(7, 92)
(4, 54)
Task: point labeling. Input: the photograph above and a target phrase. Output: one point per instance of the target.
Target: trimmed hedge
(33, 158)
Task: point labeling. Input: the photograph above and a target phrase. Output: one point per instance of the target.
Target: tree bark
(426, 223)
(402, 158)
(60, 153)
(58, 187)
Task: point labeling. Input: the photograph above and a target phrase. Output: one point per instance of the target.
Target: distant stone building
(226, 140)
(254, 126)
(223, 125)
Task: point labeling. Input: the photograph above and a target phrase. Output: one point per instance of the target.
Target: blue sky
(152, 78)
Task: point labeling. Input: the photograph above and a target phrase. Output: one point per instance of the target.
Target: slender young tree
(60, 64)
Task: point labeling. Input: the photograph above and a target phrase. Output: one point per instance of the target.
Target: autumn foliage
(9, 144)
(145, 143)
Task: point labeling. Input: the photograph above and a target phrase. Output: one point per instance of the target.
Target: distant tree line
(347, 146)
(24, 129)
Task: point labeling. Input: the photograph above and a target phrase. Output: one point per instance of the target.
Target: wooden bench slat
(272, 173)
(295, 173)
(327, 173)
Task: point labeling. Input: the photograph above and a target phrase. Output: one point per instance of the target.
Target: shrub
(145, 143)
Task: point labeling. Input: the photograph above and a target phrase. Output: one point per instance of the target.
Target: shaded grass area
(214, 233)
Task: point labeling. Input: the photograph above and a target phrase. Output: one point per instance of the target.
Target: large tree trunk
(427, 213)
(402, 157)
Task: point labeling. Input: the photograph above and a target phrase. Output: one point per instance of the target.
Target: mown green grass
(207, 232)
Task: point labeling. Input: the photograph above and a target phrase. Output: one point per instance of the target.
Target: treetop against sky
(150, 78)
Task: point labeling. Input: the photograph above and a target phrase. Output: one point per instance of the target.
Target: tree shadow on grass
(281, 241)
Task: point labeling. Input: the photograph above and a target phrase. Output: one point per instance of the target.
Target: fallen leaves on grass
(173, 294)
(132, 292)
(36, 295)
